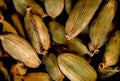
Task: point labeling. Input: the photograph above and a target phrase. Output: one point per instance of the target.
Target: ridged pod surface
(54, 7)
(52, 68)
(37, 32)
(20, 49)
(76, 68)
(80, 17)
(101, 26)
(112, 51)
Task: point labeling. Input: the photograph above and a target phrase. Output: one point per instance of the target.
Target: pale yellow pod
(80, 16)
(52, 68)
(112, 51)
(37, 32)
(102, 25)
(54, 7)
(15, 17)
(20, 49)
(76, 68)
(37, 76)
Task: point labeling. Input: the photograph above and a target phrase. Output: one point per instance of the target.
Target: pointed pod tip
(96, 51)
(68, 37)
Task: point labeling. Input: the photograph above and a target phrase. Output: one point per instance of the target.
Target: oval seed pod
(57, 29)
(112, 51)
(15, 17)
(37, 32)
(74, 44)
(20, 49)
(54, 7)
(101, 26)
(37, 76)
(52, 68)
(19, 6)
(76, 68)
(6, 26)
(80, 17)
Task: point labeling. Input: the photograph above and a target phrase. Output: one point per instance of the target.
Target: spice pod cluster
(59, 40)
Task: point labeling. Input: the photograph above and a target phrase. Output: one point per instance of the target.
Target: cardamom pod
(101, 26)
(111, 56)
(76, 68)
(80, 16)
(52, 68)
(37, 32)
(20, 49)
(54, 7)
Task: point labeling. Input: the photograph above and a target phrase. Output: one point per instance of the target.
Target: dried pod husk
(15, 17)
(74, 44)
(4, 71)
(37, 32)
(37, 76)
(76, 68)
(3, 4)
(20, 49)
(18, 69)
(19, 6)
(54, 7)
(101, 26)
(111, 56)
(52, 68)
(108, 72)
(68, 6)
(80, 16)
(6, 26)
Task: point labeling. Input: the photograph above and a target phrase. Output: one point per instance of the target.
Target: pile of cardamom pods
(59, 40)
